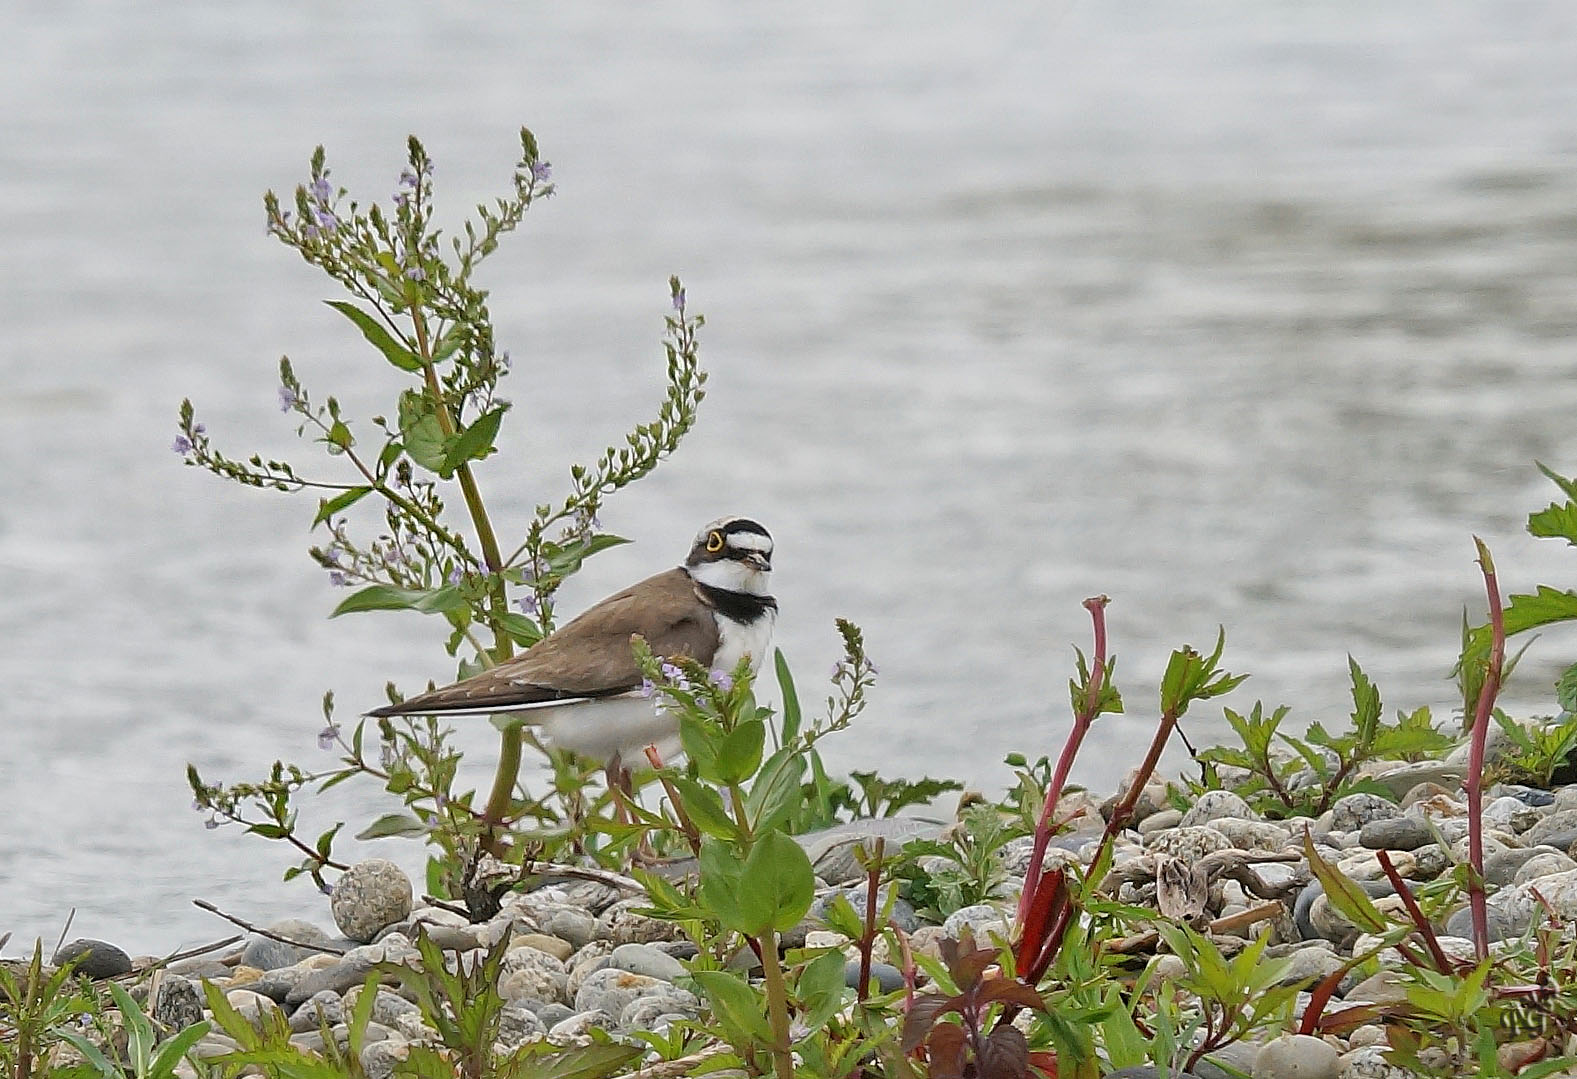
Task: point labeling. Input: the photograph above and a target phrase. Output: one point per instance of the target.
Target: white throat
(732, 576)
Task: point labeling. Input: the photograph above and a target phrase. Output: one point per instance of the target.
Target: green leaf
(391, 824)
(821, 987)
(1566, 689)
(705, 808)
(171, 1052)
(593, 1061)
(739, 755)
(720, 871)
(701, 741)
(327, 507)
(1344, 893)
(420, 431)
(475, 442)
(738, 1008)
(777, 885)
(385, 597)
(776, 791)
(1366, 702)
(791, 713)
(380, 338)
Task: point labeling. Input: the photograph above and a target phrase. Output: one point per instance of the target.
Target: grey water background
(1241, 313)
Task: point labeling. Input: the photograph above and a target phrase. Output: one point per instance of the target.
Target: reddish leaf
(1321, 996)
(1045, 1063)
(922, 1014)
(1005, 1054)
(1010, 989)
(946, 1049)
(1351, 1018)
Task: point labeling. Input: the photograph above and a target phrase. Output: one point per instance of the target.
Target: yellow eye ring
(714, 542)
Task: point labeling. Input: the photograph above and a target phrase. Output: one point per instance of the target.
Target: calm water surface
(1248, 314)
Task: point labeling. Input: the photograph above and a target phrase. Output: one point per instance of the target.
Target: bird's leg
(621, 783)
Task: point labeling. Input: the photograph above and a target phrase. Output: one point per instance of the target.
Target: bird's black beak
(758, 561)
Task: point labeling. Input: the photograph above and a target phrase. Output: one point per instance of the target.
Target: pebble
(518, 1024)
(369, 896)
(623, 923)
(647, 960)
(1351, 813)
(1296, 1056)
(380, 1059)
(1214, 805)
(1189, 844)
(1395, 833)
(982, 919)
(1160, 821)
(253, 1007)
(265, 953)
(95, 958)
(1368, 1062)
(1558, 830)
(320, 1008)
(610, 990)
(557, 947)
(177, 1004)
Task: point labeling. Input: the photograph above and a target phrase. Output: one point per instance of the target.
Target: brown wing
(589, 657)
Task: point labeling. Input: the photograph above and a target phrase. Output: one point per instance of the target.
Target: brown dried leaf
(946, 1051)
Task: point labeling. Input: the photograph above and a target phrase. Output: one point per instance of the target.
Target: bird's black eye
(714, 542)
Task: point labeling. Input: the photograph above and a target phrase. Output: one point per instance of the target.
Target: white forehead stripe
(750, 541)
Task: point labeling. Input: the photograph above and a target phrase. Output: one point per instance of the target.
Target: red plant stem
(1070, 749)
(868, 938)
(1425, 930)
(909, 972)
(1473, 783)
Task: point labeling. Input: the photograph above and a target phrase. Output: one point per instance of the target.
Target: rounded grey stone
(567, 923)
(265, 953)
(611, 990)
(642, 1012)
(379, 1059)
(575, 1030)
(888, 978)
(982, 919)
(95, 958)
(533, 983)
(1310, 964)
(178, 1004)
(313, 1012)
(1558, 830)
(1395, 833)
(1214, 805)
(552, 1013)
(1295, 1056)
(1351, 813)
(369, 896)
(518, 1024)
(647, 960)
(1503, 924)
(1368, 1062)
(1160, 821)
(1543, 864)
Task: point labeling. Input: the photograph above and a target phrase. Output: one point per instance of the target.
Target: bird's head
(734, 554)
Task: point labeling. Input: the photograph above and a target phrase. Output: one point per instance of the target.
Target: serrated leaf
(1558, 520)
(593, 1061)
(377, 336)
(392, 824)
(1344, 893)
(1566, 689)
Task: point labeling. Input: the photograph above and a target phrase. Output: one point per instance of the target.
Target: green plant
(1321, 767)
(36, 1005)
(141, 1061)
(418, 305)
(971, 869)
(1537, 751)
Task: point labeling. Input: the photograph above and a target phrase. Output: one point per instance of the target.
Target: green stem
(508, 771)
(777, 1005)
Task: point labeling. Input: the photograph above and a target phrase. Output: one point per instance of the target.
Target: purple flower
(723, 680)
(542, 171)
(648, 687)
(415, 273)
(328, 736)
(401, 198)
(182, 445)
(287, 399)
(331, 556)
(199, 429)
(211, 823)
(454, 576)
(197, 804)
(527, 603)
(679, 301)
(408, 179)
(338, 579)
(326, 219)
(321, 189)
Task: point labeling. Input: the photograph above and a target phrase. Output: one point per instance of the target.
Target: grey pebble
(369, 896)
(1500, 867)
(575, 1029)
(1395, 833)
(317, 1009)
(1190, 844)
(982, 919)
(1558, 830)
(611, 990)
(1214, 805)
(552, 1013)
(518, 1024)
(642, 1013)
(623, 923)
(1295, 1056)
(350, 970)
(1543, 864)
(889, 979)
(1160, 821)
(379, 1059)
(95, 958)
(178, 1004)
(264, 953)
(646, 959)
(1351, 813)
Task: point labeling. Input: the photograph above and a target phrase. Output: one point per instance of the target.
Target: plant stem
(777, 1004)
(1473, 782)
(1070, 749)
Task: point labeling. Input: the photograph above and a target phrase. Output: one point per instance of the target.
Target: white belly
(613, 726)
(736, 640)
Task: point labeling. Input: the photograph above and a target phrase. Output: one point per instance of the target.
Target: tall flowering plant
(411, 292)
